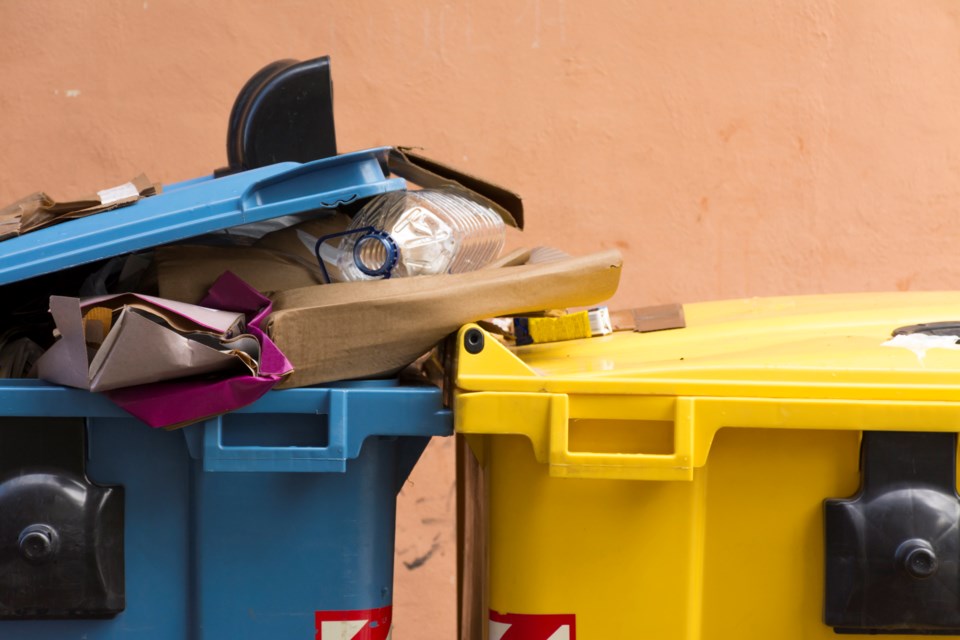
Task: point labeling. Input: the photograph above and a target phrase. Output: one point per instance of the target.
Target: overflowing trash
(196, 298)
(412, 266)
(336, 277)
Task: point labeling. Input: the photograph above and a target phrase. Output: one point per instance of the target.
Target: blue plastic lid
(196, 207)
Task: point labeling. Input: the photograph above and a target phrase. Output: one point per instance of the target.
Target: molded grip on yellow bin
(544, 419)
(625, 466)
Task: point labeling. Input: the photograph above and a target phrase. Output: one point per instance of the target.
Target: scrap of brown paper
(39, 210)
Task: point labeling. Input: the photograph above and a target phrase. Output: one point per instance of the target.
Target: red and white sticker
(361, 624)
(519, 626)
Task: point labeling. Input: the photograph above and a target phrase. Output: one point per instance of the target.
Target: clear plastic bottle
(413, 233)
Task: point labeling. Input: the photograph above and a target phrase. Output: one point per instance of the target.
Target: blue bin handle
(354, 414)
(321, 184)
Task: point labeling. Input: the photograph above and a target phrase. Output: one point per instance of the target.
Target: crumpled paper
(177, 403)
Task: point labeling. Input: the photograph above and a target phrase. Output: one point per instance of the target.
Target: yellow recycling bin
(780, 468)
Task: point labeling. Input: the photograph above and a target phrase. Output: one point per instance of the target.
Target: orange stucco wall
(727, 148)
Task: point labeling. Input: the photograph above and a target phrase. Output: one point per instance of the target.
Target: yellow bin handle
(544, 419)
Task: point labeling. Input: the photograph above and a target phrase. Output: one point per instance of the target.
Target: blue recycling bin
(274, 521)
(262, 523)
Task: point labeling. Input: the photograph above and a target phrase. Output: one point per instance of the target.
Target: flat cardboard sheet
(186, 272)
(278, 261)
(374, 328)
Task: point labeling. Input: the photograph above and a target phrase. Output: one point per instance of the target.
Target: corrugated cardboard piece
(375, 328)
(39, 210)
(644, 319)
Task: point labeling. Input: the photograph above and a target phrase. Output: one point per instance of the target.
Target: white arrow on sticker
(341, 629)
(563, 633)
(498, 629)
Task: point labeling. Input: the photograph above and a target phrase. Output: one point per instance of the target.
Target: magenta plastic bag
(178, 403)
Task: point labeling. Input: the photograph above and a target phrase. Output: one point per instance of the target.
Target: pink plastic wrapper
(178, 403)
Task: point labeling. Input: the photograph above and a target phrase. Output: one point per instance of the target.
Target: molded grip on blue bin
(322, 184)
(353, 415)
(197, 207)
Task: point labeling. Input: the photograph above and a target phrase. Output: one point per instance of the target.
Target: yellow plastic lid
(818, 362)
(809, 346)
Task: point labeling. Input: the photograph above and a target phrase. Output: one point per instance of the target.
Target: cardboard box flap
(425, 172)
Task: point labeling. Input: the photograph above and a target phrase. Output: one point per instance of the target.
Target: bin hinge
(480, 355)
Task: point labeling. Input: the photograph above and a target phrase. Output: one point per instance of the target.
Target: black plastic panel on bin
(893, 550)
(61, 536)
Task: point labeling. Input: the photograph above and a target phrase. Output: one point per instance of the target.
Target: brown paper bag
(375, 328)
